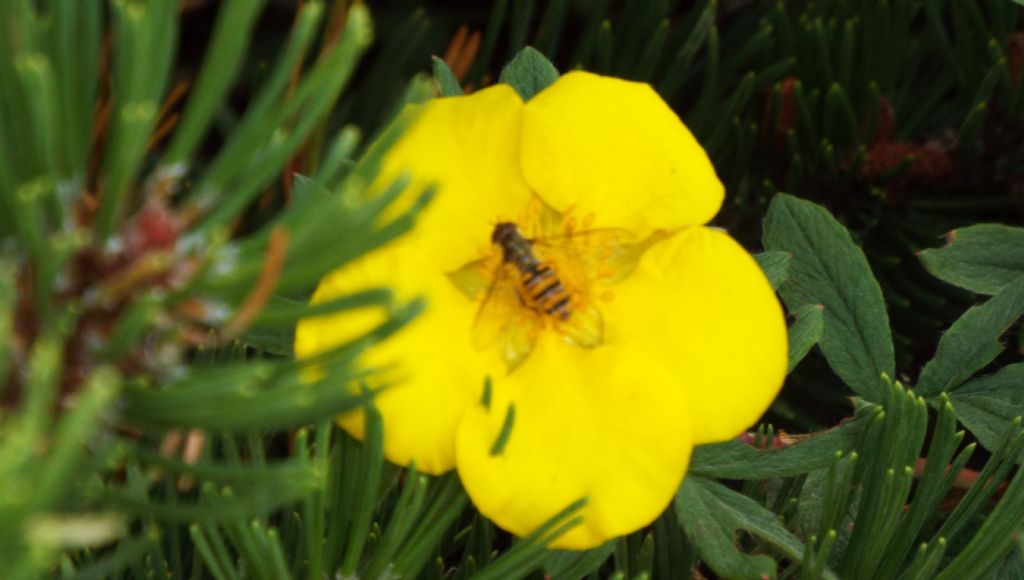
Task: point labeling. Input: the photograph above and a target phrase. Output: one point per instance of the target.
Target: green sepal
(447, 84)
(529, 73)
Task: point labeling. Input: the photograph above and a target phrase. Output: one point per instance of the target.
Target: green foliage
(447, 84)
(153, 422)
(829, 270)
(848, 492)
(988, 404)
(711, 513)
(775, 265)
(529, 73)
(981, 258)
(806, 331)
(973, 341)
(737, 460)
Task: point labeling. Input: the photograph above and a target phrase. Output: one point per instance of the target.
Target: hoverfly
(535, 282)
(540, 287)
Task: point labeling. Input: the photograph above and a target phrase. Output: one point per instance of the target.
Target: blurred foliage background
(169, 182)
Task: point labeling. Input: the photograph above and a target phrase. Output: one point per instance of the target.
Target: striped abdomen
(545, 291)
(541, 288)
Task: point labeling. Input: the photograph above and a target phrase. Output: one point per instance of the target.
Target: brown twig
(100, 126)
(168, 119)
(277, 248)
(462, 51)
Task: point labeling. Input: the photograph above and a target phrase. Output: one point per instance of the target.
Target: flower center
(542, 272)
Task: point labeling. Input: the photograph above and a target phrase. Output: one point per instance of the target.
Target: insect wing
(605, 254)
(503, 321)
(584, 327)
(519, 337)
(474, 279)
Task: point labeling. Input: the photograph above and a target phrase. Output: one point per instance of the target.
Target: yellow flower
(660, 333)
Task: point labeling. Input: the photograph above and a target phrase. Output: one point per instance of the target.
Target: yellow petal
(468, 147)
(699, 304)
(613, 148)
(606, 424)
(439, 374)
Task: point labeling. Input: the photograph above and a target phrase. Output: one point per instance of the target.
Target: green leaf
(122, 556)
(447, 84)
(775, 266)
(997, 533)
(828, 268)
(712, 531)
(366, 491)
(529, 73)
(8, 302)
(259, 393)
(223, 60)
(981, 258)
(572, 564)
(146, 35)
(973, 341)
(987, 405)
(257, 150)
(62, 470)
(525, 554)
(710, 514)
(1012, 565)
(813, 496)
(805, 332)
(277, 341)
(446, 501)
(737, 460)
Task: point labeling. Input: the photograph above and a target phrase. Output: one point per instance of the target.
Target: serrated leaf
(981, 258)
(710, 514)
(987, 405)
(812, 501)
(1012, 565)
(737, 460)
(529, 73)
(973, 341)
(447, 83)
(775, 266)
(711, 532)
(828, 268)
(805, 332)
